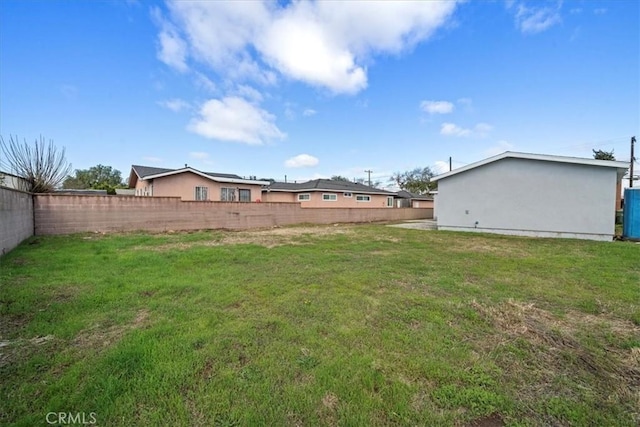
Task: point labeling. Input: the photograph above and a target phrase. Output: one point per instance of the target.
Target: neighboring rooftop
(408, 195)
(326, 185)
(148, 172)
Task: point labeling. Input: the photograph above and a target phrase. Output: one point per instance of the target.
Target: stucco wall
(529, 197)
(183, 185)
(64, 214)
(279, 197)
(16, 218)
(316, 200)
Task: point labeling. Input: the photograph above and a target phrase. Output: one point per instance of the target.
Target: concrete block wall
(16, 218)
(65, 214)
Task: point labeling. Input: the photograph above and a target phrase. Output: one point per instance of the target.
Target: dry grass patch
(329, 408)
(508, 248)
(269, 238)
(99, 337)
(571, 348)
(14, 350)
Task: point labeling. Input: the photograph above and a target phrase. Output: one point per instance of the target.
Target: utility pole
(369, 172)
(450, 164)
(633, 159)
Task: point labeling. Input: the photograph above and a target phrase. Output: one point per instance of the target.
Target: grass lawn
(340, 325)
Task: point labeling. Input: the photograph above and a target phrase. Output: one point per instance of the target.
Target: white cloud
(451, 129)
(172, 49)
(301, 161)
(249, 93)
(309, 112)
(437, 107)
(534, 19)
(482, 129)
(176, 105)
(199, 155)
(234, 119)
(499, 148)
(204, 82)
(301, 47)
(324, 44)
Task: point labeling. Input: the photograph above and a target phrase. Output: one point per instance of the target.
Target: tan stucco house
(191, 184)
(325, 193)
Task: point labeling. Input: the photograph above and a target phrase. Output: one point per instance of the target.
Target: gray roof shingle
(143, 171)
(327, 185)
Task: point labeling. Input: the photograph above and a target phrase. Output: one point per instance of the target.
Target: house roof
(408, 195)
(621, 166)
(147, 172)
(325, 185)
(143, 171)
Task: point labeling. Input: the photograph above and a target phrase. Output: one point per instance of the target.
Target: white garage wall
(530, 197)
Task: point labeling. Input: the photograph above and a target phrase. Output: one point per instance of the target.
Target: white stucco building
(531, 195)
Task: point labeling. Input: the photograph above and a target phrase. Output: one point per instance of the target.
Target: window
(389, 202)
(244, 195)
(329, 197)
(363, 198)
(304, 197)
(227, 194)
(347, 195)
(202, 193)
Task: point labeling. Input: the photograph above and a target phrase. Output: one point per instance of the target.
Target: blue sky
(309, 90)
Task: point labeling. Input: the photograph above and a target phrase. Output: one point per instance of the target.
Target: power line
(618, 141)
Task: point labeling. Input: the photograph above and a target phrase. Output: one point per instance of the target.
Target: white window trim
(195, 193)
(235, 193)
(302, 199)
(390, 201)
(363, 195)
(347, 194)
(334, 199)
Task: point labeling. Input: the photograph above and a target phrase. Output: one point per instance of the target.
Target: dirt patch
(493, 420)
(268, 238)
(99, 337)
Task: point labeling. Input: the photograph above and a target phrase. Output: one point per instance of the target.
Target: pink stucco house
(191, 184)
(325, 193)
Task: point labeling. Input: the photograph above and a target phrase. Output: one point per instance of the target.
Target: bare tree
(41, 164)
(416, 181)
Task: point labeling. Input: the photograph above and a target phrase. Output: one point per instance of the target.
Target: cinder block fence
(47, 214)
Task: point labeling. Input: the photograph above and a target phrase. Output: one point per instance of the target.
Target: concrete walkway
(417, 224)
